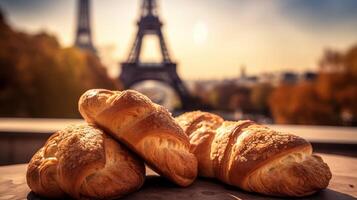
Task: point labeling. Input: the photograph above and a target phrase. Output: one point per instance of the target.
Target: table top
(342, 186)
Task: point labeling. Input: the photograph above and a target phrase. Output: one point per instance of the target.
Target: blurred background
(275, 62)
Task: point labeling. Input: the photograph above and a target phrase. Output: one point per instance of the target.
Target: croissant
(146, 128)
(254, 157)
(83, 162)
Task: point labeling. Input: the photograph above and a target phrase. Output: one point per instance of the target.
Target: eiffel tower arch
(134, 71)
(83, 33)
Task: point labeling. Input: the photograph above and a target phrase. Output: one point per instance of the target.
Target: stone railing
(20, 138)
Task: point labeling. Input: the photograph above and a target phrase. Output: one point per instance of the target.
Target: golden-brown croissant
(254, 157)
(83, 162)
(146, 128)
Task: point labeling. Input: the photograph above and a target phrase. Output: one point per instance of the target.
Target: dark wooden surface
(343, 185)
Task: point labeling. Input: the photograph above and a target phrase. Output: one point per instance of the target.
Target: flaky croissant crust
(254, 157)
(146, 128)
(83, 162)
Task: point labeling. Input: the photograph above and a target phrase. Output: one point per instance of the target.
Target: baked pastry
(145, 127)
(83, 162)
(254, 157)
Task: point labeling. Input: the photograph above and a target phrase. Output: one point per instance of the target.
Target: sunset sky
(208, 38)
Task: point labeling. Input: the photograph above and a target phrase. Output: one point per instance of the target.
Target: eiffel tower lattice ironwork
(134, 71)
(83, 34)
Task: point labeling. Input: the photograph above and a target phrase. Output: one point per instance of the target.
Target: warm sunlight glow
(200, 33)
(150, 50)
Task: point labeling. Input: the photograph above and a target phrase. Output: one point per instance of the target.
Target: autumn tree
(259, 97)
(300, 104)
(330, 100)
(39, 78)
(230, 96)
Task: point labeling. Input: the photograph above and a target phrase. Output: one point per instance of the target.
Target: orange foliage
(330, 100)
(300, 104)
(38, 78)
(229, 96)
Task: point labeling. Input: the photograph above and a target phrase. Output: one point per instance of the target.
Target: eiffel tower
(134, 71)
(83, 34)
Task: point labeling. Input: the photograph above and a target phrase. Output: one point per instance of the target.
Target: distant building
(309, 76)
(289, 78)
(269, 78)
(243, 72)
